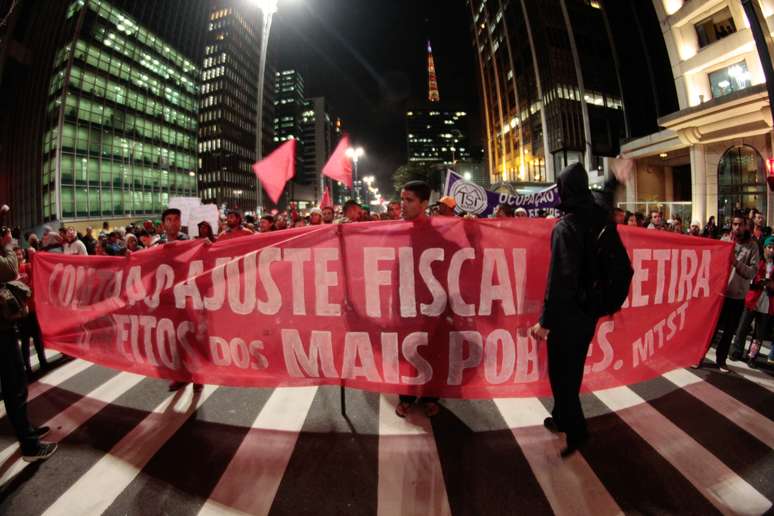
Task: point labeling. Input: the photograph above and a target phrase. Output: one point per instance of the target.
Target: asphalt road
(689, 442)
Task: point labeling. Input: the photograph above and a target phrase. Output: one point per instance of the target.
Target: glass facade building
(122, 120)
(549, 84)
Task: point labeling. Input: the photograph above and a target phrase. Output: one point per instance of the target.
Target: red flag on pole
(339, 166)
(325, 202)
(277, 169)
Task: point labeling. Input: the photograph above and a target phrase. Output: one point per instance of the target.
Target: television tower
(433, 95)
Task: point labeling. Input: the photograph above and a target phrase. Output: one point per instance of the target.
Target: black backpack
(612, 272)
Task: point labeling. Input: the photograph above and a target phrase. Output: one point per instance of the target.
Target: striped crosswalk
(688, 442)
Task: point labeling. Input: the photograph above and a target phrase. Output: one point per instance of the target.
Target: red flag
(325, 202)
(276, 169)
(339, 166)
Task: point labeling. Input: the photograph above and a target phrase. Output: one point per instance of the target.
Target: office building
(321, 131)
(437, 136)
(72, 149)
(227, 118)
(549, 89)
(289, 106)
(709, 157)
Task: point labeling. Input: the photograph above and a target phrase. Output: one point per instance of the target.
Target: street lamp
(368, 180)
(267, 8)
(354, 154)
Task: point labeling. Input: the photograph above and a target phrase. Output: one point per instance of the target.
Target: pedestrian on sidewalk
(758, 307)
(744, 265)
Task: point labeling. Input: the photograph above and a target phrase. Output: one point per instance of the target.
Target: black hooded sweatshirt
(566, 301)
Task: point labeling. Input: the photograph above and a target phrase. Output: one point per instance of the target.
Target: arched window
(741, 182)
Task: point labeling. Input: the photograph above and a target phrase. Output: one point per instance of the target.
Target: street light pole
(367, 181)
(354, 154)
(267, 8)
(763, 44)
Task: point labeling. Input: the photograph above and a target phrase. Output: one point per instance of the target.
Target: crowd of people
(747, 306)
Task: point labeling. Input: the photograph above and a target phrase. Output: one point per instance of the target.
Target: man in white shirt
(72, 245)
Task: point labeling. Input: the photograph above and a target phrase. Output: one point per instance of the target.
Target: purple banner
(475, 199)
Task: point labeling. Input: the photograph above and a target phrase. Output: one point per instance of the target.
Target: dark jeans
(30, 329)
(567, 349)
(411, 399)
(761, 325)
(14, 385)
(728, 322)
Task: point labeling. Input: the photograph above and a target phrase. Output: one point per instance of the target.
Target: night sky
(368, 59)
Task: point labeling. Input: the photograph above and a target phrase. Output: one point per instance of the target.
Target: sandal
(402, 409)
(431, 408)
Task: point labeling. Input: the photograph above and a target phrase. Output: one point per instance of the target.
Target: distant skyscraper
(320, 133)
(437, 136)
(122, 121)
(31, 38)
(550, 93)
(432, 95)
(289, 106)
(228, 106)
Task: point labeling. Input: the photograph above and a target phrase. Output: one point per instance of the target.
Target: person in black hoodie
(568, 320)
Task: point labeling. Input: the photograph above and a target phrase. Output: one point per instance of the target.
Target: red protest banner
(439, 308)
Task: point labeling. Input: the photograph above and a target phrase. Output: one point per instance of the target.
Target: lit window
(730, 79)
(714, 28)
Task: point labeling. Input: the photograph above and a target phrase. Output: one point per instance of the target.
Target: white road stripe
(96, 489)
(251, 480)
(67, 421)
(570, 485)
(52, 379)
(740, 414)
(717, 482)
(410, 475)
(51, 355)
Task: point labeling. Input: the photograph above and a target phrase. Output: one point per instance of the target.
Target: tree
(434, 175)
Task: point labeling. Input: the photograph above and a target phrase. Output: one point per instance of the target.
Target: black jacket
(566, 302)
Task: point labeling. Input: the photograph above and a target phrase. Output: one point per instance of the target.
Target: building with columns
(709, 157)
